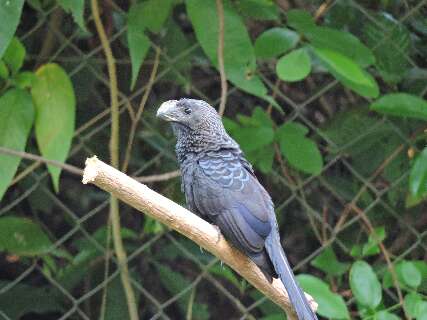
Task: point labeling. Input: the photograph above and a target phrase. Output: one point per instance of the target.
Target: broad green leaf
(301, 152)
(55, 104)
(4, 71)
(391, 43)
(10, 14)
(153, 13)
(418, 176)
(22, 237)
(348, 72)
(371, 247)
(300, 20)
(253, 138)
(410, 274)
(385, 315)
(76, 7)
(138, 42)
(14, 55)
(410, 303)
(365, 285)
(342, 42)
(401, 104)
(258, 9)
(24, 79)
(327, 261)
(294, 66)
(262, 158)
(239, 54)
(274, 42)
(21, 299)
(331, 305)
(421, 310)
(16, 120)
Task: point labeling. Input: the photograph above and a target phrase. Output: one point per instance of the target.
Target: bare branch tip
(90, 172)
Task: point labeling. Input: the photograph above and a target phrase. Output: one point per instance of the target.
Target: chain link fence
(171, 277)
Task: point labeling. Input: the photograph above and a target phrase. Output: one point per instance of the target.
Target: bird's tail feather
(283, 269)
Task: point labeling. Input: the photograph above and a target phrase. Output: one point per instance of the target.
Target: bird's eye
(187, 110)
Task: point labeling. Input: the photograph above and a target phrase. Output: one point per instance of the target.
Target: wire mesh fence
(359, 189)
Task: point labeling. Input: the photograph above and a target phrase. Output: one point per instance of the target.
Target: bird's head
(196, 125)
(190, 114)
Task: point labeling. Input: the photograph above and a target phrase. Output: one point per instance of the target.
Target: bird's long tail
(283, 269)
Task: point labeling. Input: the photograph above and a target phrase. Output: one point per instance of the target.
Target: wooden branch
(185, 222)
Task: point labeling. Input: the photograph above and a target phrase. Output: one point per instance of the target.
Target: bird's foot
(218, 233)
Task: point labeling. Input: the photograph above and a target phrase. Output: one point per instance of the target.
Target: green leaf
(294, 66)
(301, 152)
(331, 305)
(410, 303)
(401, 104)
(55, 104)
(410, 274)
(391, 43)
(10, 14)
(342, 42)
(153, 13)
(138, 42)
(14, 55)
(274, 42)
(16, 120)
(25, 79)
(258, 9)
(239, 55)
(327, 261)
(418, 176)
(385, 315)
(22, 237)
(348, 72)
(76, 7)
(300, 20)
(371, 247)
(4, 71)
(422, 310)
(253, 138)
(21, 299)
(365, 285)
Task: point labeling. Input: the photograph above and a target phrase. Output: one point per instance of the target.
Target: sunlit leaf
(55, 104)
(14, 55)
(365, 285)
(331, 305)
(10, 13)
(410, 274)
(401, 104)
(275, 41)
(348, 72)
(301, 152)
(385, 315)
(294, 66)
(342, 42)
(16, 120)
(239, 55)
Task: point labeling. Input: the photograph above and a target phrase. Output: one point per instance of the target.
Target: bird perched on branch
(221, 187)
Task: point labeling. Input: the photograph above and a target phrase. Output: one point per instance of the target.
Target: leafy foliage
(328, 104)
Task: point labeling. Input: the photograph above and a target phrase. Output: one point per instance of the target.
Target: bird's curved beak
(167, 111)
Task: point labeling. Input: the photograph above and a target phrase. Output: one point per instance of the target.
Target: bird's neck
(191, 147)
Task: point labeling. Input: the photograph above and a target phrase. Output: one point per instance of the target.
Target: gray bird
(220, 186)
